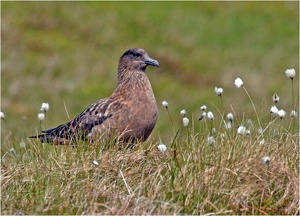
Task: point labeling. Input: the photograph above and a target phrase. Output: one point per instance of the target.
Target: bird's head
(136, 59)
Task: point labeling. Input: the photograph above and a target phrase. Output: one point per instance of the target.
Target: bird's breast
(136, 114)
(141, 113)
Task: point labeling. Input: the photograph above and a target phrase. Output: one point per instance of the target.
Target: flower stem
(222, 106)
(253, 107)
(40, 126)
(291, 124)
(170, 118)
(293, 102)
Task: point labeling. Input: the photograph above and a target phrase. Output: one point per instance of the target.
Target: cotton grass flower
(274, 110)
(203, 108)
(281, 113)
(183, 112)
(293, 114)
(22, 144)
(249, 123)
(248, 132)
(202, 116)
(162, 148)
(2, 116)
(238, 82)
(211, 140)
(229, 120)
(228, 125)
(218, 91)
(229, 117)
(241, 130)
(3, 159)
(185, 121)
(266, 160)
(290, 73)
(276, 98)
(210, 115)
(13, 152)
(41, 116)
(165, 104)
(213, 131)
(45, 107)
(95, 163)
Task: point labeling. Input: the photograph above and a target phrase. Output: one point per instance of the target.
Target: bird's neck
(133, 81)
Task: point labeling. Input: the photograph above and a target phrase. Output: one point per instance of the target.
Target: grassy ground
(194, 175)
(67, 53)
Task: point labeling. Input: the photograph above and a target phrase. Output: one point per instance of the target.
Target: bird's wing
(80, 126)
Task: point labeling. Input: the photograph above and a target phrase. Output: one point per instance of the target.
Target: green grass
(66, 53)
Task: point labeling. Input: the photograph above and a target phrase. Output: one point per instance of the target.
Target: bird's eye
(135, 54)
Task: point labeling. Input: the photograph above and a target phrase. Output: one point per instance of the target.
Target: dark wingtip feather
(43, 138)
(52, 135)
(49, 138)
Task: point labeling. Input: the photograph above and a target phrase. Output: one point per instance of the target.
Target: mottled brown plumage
(130, 112)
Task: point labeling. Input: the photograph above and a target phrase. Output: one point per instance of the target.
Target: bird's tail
(60, 135)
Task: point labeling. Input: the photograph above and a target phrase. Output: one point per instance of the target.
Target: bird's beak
(150, 61)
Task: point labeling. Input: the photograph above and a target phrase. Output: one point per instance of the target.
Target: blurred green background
(67, 52)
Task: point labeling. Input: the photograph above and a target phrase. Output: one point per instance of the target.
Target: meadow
(66, 54)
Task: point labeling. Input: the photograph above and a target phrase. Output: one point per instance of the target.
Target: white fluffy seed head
(165, 104)
(183, 112)
(210, 115)
(95, 163)
(262, 142)
(185, 121)
(230, 117)
(162, 148)
(202, 116)
(266, 160)
(276, 98)
(241, 130)
(2, 116)
(22, 144)
(274, 110)
(12, 150)
(41, 116)
(290, 73)
(45, 107)
(211, 140)
(229, 124)
(213, 131)
(218, 91)
(203, 108)
(281, 113)
(293, 113)
(238, 82)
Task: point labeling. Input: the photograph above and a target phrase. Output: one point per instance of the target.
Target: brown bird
(130, 112)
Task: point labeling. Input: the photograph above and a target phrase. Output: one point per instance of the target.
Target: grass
(191, 178)
(66, 54)
(194, 176)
